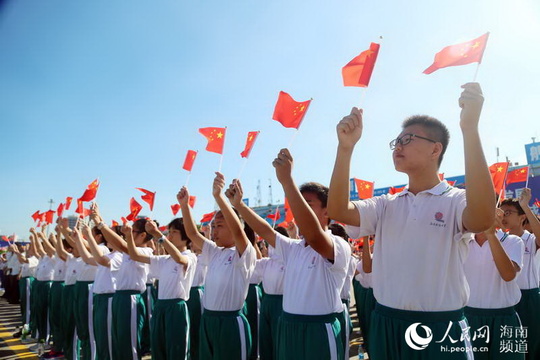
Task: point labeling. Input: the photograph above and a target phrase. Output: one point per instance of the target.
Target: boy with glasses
(422, 234)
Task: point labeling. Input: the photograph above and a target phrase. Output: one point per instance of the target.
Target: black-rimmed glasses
(407, 138)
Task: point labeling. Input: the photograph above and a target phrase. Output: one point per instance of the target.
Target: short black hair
(139, 225)
(338, 230)
(515, 204)
(178, 224)
(318, 189)
(434, 128)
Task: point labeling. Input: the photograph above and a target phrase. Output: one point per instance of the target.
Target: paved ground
(11, 349)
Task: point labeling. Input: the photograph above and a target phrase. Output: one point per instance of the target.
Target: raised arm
(241, 241)
(367, 260)
(59, 246)
(340, 208)
(189, 224)
(524, 200)
(109, 234)
(36, 243)
(479, 213)
(173, 251)
(86, 256)
(133, 252)
(48, 246)
(506, 267)
(235, 193)
(95, 250)
(306, 220)
(22, 258)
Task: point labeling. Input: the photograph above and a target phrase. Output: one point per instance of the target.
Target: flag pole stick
(499, 199)
(242, 169)
(476, 72)
(292, 139)
(220, 162)
(527, 181)
(187, 179)
(274, 222)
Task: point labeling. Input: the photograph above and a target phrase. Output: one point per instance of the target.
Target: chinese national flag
(49, 216)
(36, 216)
(517, 175)
(289, 112)
(251, 137)
(358, 71)
(175, 209)
(80, 208)
(215, 137)
(68, 203)
(191, 201)
(114, 223)
(275, 216)
(190, 159)
(364, 188)
(395, 190)
(124, 220)
(90, 192)
(148, 197)
(498, 175)
(60, 210)
(459, 54)
(289, 217)
(134, 208)
(208, 217)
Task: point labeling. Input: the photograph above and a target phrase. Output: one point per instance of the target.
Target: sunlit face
(220, 232)
(139, 237)
(316, 205)
(417, 154)
(175, 237)
(512, 220)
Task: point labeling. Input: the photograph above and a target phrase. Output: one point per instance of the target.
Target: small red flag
(289, 112)
(134, 208)
(60, 210)
(251, 137)
(537, 202)
(175, 209)
(364, 188)
(191, 201)
(36, 216)
(358, 71)
(208, 217)
(163, 228)
(517, 175)
(68, 203)
(80, 208)
(114, 223)
(395, 190)
(190, 159)
(49, 216)
(215, 137)
(124, 220)
(289, 217)
(148, 197)
(5, 238)
(275, 216)
(460, 54)
(498, 175)
(90, 192)
(451, 182)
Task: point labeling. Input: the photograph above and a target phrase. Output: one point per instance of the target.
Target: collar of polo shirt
(438, 189)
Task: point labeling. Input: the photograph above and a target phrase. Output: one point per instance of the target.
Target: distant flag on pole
(148, 197)
(68, 203)
(289, 112)
(358, 71)
(208, 217)
(36, 216)
(49, 216)
(190, 159)
(251, 137)
(364, 188)
(90, 192)
(175, 208)
(60, 210)
(460, 54)
(215, 137)
(517, 175)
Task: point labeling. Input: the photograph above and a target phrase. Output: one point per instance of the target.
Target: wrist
(161, 239)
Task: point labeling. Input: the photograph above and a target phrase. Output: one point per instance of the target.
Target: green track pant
(127, 322)
(170, 330)
(102, 315)
(224, 335)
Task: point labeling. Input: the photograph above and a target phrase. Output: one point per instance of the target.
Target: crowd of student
(448, 267)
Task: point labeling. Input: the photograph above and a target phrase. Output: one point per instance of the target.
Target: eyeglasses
(407, 138)
(508, 212)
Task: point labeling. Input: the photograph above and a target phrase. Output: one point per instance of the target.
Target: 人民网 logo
(414, 340)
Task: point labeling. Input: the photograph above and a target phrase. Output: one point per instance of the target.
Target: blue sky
(117, 90)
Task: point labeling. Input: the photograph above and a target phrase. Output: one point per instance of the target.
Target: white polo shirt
(227, 279)
(488, 289)
(45, 268)
(346, 289)
(14, 264)
(529, 277)
(72, 264)
(273, 272)
(200, 273)
(174, 281)
(362, 277)
(312, 284)
(105, 282)
(59, 271)
(130, 274)
(420, 249)
(29, 269)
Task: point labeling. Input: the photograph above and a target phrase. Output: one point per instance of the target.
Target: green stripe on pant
(170, 330)
(127, 322)
(102, 313)
(224, 335)
(56, 312)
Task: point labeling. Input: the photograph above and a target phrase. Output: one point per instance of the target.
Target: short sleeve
(116, 261)
(283, 246)
(156, 262)
(208, 250)
(247, 260)
(514, 248)
(460, 205)
(342, 254)
(368, 212)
